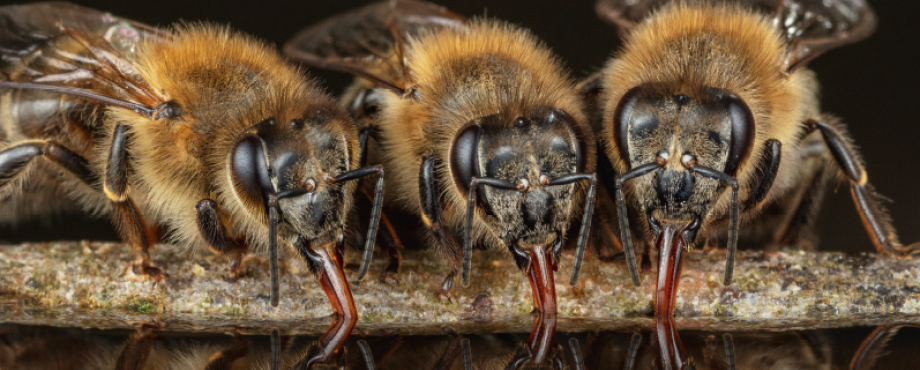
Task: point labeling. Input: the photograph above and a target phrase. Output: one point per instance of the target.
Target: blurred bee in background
(713, 129)
(873, 347)
(150, 125)
(479, 125)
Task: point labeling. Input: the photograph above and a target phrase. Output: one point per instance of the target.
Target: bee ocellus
(200, 129)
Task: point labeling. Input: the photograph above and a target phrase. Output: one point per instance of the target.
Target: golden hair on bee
(206, 131)
(480, 125)
(712, 102)
(460, 74)
(689, 45)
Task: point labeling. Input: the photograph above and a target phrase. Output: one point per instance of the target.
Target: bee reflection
(745, 350)
(38, 348)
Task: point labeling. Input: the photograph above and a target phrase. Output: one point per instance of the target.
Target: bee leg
(224, 359)
(392, 243)
(128, 220)
(15, 158)
(798, 224)
(431, 216)
(137, 350)
(874, 216)
(633, 352)
(215, 234)
(388, 240)
(602, 239)
(873, 347)
(646, 264)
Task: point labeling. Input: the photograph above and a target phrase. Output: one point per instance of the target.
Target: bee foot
(444, 295)
(908, 251)
(389, 277)
(154, 272)
(232, 278)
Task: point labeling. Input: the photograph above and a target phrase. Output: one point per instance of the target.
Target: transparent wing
(368, 41)
(626, 14)
(810, 27)
(77, 51)
(813, 27)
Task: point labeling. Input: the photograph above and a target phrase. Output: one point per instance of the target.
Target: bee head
(295, 161)
(692, 136)
(519, 155)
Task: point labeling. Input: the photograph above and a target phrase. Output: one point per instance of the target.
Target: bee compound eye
(742, 132)
(464, 156)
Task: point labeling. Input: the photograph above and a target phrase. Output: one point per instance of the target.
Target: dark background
(871, 85)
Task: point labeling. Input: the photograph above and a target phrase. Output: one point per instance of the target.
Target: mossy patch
(142, 305)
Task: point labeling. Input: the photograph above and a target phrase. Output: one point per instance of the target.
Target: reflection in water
(44, 348)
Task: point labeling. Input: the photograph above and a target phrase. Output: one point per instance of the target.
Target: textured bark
(92, 284)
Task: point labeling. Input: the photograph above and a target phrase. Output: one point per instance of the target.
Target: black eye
(464, 156)
(621, 118)
(742, 132)
(581, 148)
(250, 170)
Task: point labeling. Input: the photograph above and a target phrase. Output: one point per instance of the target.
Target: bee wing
(810, 27)
(368, 41)
(76, 51)
(626, 14)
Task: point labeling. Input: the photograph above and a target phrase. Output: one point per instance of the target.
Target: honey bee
(480, 124)
(199, 128)
(712, 127)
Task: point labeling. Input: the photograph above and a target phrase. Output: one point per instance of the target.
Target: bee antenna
(729, 351)
(633, 351)
(576, 354)
(733, 221)
(276, 349)
(375, 212)
(468, 228)
(586, 218)
(622, 216)
(273, 247)
(467, 354)
(253, 183)
(368, 355)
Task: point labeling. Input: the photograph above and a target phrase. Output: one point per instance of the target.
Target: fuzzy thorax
(225, 84)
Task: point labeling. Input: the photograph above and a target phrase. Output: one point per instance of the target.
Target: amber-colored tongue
(331, 343)
(670, 262)
(344, 316)
(670, 349)
(540, 274)
(542, 338)
(334, 284)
